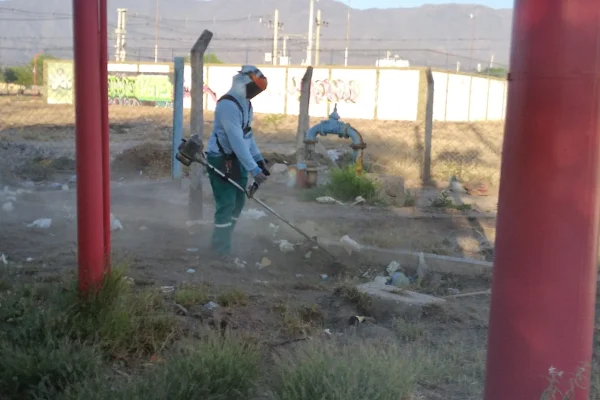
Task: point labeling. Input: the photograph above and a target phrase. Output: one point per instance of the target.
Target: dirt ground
(470, 151)
(291, 297)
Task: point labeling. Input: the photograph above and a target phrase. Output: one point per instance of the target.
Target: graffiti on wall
(329, 90)
(60, 79)
(140, 90)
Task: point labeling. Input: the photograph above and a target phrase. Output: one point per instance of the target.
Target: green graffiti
(150, 88)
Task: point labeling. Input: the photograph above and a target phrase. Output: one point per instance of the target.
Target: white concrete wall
(362, 93)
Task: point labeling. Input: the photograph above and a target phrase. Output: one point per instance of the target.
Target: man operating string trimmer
(233, 151)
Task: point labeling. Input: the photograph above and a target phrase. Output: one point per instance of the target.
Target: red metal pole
(105, 128)
(88, 143)
(35, 57)
(544, 283)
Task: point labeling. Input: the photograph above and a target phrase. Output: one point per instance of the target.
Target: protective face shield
(256, 82)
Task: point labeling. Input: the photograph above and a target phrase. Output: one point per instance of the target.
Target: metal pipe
(544, 276)
(88, 141)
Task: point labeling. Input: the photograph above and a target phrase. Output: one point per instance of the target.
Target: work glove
(263, 165)
(260, 178)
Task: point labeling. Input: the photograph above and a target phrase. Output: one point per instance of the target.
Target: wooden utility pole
(318, 38)
(197, 121)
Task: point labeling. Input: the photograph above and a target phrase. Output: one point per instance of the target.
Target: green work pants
(229, 202)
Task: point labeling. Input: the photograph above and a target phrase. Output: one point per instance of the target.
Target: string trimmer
(191, 151)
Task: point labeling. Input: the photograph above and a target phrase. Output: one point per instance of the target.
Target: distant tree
(23, 75)
(499, 72)
(10, 75)
(1, 74)
(209, 58)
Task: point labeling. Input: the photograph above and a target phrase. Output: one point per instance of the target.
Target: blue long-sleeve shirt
(228, 127)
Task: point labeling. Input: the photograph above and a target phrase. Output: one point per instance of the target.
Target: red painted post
(35, 57)
(105, 128)
(88, 144)
(544, 283)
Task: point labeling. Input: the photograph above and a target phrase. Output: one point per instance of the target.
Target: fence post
(177, 116)
(428, 128)
(303, 115)
(197, 120)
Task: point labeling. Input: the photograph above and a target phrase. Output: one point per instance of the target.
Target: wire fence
(466, 138)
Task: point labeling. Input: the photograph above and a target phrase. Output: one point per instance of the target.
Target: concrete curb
(410, 259)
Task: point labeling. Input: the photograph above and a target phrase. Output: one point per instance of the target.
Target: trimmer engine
(189, 150)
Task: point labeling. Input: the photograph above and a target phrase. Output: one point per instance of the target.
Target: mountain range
(435, 35)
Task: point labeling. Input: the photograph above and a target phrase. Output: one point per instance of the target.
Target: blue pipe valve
(333, 126)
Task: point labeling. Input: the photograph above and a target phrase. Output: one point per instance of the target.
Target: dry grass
(471, 151)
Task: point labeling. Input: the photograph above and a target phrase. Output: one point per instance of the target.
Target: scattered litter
(324, 277)
(196, 222)
(115, 224)
(453, 292)
(55, 186)
(328, 200)
(392, 267)
(356, 320)
(239, 263)
(359, 200)
(143, 228)
(65, 187)
(265, 262)
(191, 271)
(349, 244)
(167, 289)
(261, 282)
(286, 247)
(3, 259)
(274, 228)
(400, 280)
(327, 332)
(381, 280)
(211, 306)
(192, 250)
(253, 214)
(7, 207)
(42, 223)
(333, 155)
(422, 269)
(456, 186)
(73, 179)
(308, 255)
(129, 280)
(299, 275)
(28, 259)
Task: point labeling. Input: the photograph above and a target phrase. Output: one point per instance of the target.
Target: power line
(260, 39)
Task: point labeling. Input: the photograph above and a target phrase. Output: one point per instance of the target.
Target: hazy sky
(415, 3)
